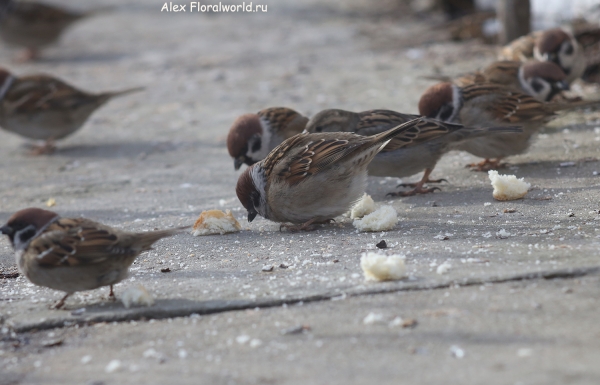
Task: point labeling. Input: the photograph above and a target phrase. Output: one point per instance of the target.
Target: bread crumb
(443, 268)
(137, 296)
(384, 218)
(378, 267)
(216, 222)
(363, 207)
(113, 366)
(503, 234)
(372, 318)
(507, 187)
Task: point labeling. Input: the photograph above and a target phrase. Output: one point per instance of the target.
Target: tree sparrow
(253, 136)
(313, 178)
(73, 254)
(484, 105)
(399, 159)
(540, 79)
(555, 45)
(35, 25)
(44, 108)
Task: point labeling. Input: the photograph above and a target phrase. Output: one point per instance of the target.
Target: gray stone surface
(157, 159)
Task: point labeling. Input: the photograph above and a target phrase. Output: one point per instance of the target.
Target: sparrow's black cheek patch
(537, 86)
(256, 145)
(26, 234)
(568, 48)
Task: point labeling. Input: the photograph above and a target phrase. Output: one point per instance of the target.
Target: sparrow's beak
(238, 162)
(251, 215)
(7, 230)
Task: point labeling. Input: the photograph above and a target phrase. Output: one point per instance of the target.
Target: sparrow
(42, 107)
(253, 136)
(35, 25)
(485, 105)
(313, 178)
(541, 79)
(557, 45)
(73, 254)
(399, 159)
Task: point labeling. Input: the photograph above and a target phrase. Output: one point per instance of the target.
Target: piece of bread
(216, 222)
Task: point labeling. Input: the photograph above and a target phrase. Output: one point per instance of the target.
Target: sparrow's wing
(508, 105)
(284, 120)
(376, 121)
(315, 152)
(315, 156)
(34, 93)
(73, 242)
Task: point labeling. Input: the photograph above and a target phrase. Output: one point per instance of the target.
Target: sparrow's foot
(414, 185)
(415, 191)
(60, 303)
(486, 165)
(43, 149)
(307, 226)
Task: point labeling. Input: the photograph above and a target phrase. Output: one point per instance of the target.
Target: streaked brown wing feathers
(72, 242)
(36, 93)
(316, 156)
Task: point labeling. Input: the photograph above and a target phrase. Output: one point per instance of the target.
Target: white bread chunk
(507, 187)
(363, 207)
(384, 218)
(378, 267)
(216, 222)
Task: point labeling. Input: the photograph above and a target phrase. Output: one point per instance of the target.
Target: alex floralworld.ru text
(196, 6)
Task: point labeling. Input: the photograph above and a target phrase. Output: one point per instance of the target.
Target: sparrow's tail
(471, 132)
(438, 78)
(148, 239)
(573, 105)
(106, 96)
(97, 11)
(409, 130)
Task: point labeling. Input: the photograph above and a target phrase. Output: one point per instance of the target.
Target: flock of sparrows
(300, 171)
(308, 171)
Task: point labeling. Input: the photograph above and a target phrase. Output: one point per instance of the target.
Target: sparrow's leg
(60, 303)
(44, 149)
(111, 295)
(487, 165)
(418, 187)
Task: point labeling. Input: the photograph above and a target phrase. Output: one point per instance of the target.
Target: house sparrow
(557, 45)
(74, 254)
(44, 108)
(541, 79)
(313, 178)
(35, 25)
(484, 105)
(253, 136)
(399, 159)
